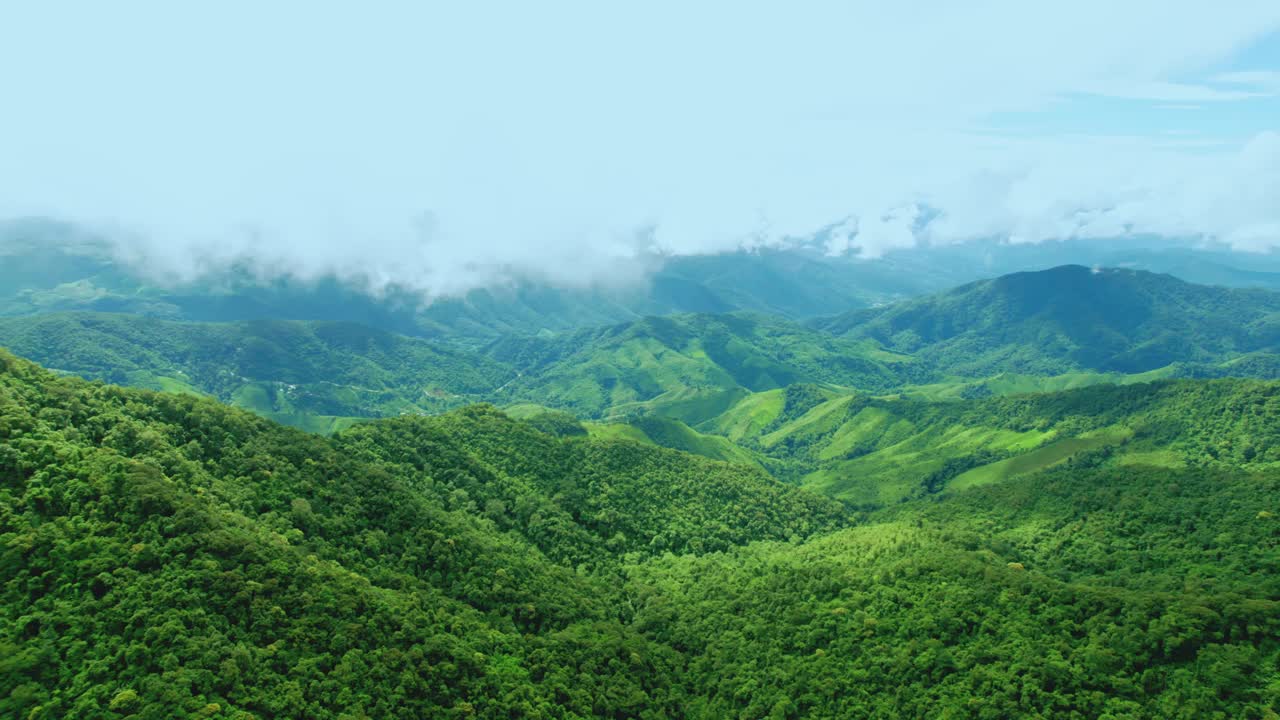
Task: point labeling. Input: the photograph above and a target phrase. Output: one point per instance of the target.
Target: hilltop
(1076, 318)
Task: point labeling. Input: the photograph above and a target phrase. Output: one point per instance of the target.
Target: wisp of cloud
(443, 147)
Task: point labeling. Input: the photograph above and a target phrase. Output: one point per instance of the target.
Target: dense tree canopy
(167, 556)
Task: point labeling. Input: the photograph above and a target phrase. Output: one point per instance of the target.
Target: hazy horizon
(445, 148)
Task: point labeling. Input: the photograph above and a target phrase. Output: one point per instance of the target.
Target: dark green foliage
(978, 610)
(165, 556)
(582, 501)
(954, 466)
(194, 556)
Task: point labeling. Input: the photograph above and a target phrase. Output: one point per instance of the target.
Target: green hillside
(671, 433)
(691, 367)
(229, 567)
(169, 556)
(1074, 593)
(873, 451)
(290, 371)
(1072, 318)
(1032, 332)
(51, 266)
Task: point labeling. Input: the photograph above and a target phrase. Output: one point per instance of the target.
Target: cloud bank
(443, 148)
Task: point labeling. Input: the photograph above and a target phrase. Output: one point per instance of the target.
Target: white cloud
(568, 139)
(1107, 187)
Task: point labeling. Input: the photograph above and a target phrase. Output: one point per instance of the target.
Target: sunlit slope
(873, 450)
(695, 366)
(1045, 331)
(672, 433)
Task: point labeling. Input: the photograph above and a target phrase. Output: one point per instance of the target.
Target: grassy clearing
(319, 424)
(748, 417)
(617, 431)
(904, 455)
(1039, 459)
(670, 433)
(1155, 458)
(524, 411)
(163, 383)
(822, 418)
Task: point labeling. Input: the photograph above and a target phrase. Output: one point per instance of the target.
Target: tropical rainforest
(1044, 494)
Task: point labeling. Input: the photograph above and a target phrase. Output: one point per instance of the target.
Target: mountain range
(773, 484)
(49, 266)
(1037, 330)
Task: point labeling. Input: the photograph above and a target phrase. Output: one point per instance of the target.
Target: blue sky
(1223, 103)
(444, 146)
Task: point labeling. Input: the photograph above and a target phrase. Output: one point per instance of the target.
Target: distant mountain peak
(1072, 317)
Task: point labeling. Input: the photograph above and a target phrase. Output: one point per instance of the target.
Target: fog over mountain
(443, 149)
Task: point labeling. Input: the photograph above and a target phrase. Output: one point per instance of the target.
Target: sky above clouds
(442, 146)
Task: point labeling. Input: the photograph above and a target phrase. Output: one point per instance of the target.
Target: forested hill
(167, 556)
(406, 568)
(303, 372)
(694, 365)
(285, 369)
(1073, 318)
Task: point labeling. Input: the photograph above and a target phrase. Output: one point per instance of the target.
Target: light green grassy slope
(671, 433)
(874, 451)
